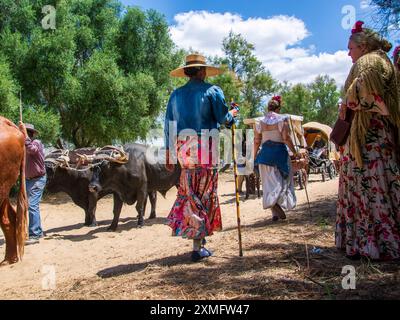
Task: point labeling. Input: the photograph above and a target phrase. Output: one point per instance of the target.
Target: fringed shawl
(371, 86)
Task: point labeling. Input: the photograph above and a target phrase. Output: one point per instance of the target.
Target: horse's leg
(8, 225)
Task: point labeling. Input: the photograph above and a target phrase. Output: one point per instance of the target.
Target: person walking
(368, 208)
(195, 107)
(273, 133)
(35, 180)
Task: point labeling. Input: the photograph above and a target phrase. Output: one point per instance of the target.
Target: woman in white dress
(273, 133)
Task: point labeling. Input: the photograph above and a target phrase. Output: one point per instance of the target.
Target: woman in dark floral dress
(396, 58)
(396, 62)
(368, 211)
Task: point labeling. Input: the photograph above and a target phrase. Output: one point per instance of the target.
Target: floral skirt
(196, 212)
(368, 210)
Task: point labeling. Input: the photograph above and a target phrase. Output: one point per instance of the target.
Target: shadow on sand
(125, 224)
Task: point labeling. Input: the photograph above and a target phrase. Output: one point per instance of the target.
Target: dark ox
(134, 180)
(75, 183)
(12, 163)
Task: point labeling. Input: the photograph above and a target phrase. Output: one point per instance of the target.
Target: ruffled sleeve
(281, 124)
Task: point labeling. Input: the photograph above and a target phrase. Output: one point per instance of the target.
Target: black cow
(134, 180)
(76, 184)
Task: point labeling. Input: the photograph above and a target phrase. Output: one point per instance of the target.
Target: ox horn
(64, 161)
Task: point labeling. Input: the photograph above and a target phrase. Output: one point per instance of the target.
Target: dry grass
(274, 266)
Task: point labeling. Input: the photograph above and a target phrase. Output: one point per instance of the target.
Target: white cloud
(306, 69)
(277, 42)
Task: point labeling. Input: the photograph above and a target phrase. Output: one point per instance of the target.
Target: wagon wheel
(331, 172)
(323, 170)
(300, 179)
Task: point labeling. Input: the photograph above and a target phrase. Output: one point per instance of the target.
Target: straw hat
(31, 127)
(195, 60)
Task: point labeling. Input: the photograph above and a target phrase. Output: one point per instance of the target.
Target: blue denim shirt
(197, 105)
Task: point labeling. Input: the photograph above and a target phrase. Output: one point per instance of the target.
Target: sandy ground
(76, 262)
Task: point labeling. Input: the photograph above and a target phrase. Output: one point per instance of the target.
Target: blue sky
(295, 39)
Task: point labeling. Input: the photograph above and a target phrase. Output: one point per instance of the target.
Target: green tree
(47, 122)
(104, 74)
(325, 93)
(297, 100)
(255, 82)
(316, 101)
(239, 56)
(229, 83)
(386, 14)
(8, 92)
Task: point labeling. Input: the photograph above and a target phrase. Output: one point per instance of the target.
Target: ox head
(51, 170)
(62, 178)
(100, 173)
(52, 162)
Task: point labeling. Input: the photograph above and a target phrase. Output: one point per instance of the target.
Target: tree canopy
(100, 76)
(316, 101)
(387, 15)
(247, 81)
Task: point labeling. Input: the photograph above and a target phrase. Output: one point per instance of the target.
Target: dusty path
(147, 263)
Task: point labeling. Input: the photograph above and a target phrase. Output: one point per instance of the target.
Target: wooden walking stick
(236, 188)
(20, 106)
(308, 200)
(305, 184)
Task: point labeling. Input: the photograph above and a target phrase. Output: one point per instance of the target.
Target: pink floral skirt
(368, 210)
(196, 212)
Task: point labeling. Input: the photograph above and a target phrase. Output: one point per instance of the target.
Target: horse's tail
(22, 211)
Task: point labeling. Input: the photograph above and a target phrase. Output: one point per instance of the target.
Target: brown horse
(12, 164)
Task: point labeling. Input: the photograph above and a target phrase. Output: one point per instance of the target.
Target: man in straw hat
(35, 179)
(196, 107)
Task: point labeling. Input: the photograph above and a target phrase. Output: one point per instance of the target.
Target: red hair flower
(357, 27)
(277, 99)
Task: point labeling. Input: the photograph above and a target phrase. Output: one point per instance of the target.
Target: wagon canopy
(312, 129)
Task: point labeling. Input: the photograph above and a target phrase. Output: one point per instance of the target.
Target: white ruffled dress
(276, 189)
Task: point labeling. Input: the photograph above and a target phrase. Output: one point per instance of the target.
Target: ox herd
(133, 180)
(86, 175)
